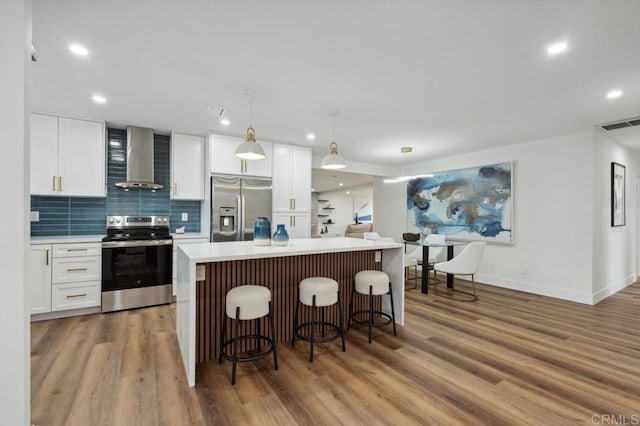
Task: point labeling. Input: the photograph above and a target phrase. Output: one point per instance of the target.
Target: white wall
(15, 40)
(342, 215)
(553, 215)
(615, 251)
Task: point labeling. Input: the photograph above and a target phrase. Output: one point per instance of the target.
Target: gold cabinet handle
(290, 221)
(71, 296)
(175, 188)
(294, 220)
(76, 269)
(53, 183)
(46, 257)
(60, 183)
(78, 249)
(294, 205)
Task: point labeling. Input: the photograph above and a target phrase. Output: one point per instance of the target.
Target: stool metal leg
(344, 348)
(353, 292)
(313, 326)
(236, 333)
(323, 321)
(393, 311)
(223, 333)
(295, 318)
(370, 310)
(258, 333)
(273, 337)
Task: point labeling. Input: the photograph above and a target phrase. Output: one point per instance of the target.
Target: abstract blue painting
(466, 204)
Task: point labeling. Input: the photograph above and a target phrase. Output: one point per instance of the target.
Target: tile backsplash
(87, 216)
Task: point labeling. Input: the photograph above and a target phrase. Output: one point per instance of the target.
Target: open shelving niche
(325, 217)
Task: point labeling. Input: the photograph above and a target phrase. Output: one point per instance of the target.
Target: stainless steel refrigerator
(236, 203)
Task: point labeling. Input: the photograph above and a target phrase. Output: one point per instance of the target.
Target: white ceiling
(442, 76)
(329, 180)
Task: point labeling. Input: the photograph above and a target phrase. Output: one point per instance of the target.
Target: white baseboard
(65, 314)
(600, 295)
(529, 287)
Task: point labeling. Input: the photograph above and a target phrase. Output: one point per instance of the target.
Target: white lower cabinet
(39, 278)
(75, 295)
(298, 225)
(64, 276)
(176, 243)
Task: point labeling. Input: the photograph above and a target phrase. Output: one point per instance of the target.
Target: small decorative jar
(280, 237)
(262, 231)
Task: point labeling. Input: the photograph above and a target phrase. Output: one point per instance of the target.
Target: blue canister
(280, 237)
(262, 231)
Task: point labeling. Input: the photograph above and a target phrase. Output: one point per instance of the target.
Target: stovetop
(137, 228)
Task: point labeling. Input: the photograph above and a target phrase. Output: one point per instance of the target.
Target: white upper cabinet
(67, 156)
(187, 167)
(291, 178)
(222, 160)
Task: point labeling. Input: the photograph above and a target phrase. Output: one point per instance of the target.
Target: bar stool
(372, 283)
(247, 302)
(318, 292)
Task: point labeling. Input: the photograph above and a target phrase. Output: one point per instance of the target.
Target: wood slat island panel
(282, 276)
(221, 266)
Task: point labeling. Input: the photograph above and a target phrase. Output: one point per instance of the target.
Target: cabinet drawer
(77, 250)
(75, 269)
(75, 295)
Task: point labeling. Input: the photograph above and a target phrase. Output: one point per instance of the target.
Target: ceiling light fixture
(250, 149)
(614, 94)
(225, 121)
(333, 160)
(99, 99)
(557, 48)
(403, 176)
(311, 136)
(78, 50)
(341, 184)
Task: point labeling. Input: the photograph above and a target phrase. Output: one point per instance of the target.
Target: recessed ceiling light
(311, 136)
(341, 184)
(348, 192)
(99, 99)
(78, 50)
(557, 48)
(614, 94)
(312, 189)
(225, 121)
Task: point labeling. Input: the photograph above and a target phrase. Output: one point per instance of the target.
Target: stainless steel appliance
(137, 256)
(236, 203)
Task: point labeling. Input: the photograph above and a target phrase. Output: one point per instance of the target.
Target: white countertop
(189, 235)
(239, 250)
(66, 239)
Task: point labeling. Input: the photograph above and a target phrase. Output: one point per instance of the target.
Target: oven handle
(146, 243)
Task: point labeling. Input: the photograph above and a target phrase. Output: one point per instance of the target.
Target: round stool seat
(253, 301)
(378, 280)
(325, 290)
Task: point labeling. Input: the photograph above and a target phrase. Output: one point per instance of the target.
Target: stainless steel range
(136, 262)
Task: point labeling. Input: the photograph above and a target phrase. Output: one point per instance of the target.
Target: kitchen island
(206, 271)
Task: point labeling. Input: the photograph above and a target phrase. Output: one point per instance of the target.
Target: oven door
(135, 264)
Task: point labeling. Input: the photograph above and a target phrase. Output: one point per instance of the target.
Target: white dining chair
(436, 254)
(465, 263)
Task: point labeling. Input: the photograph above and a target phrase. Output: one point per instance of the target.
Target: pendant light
(250, 149)
(333, 160)
(404, 177)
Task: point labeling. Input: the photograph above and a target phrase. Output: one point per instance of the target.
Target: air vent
(215, 111)
(621, 124)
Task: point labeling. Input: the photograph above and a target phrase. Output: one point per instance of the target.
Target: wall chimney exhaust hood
(139, 159)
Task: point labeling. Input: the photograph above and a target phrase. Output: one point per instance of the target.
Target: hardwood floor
(510, 358)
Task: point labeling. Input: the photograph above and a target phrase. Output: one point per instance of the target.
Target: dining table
(425, 259)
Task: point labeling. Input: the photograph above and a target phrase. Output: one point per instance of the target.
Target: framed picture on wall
(617, 194)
